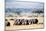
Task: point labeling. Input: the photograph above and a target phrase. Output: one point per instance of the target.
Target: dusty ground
(25, 27)
(33, 26)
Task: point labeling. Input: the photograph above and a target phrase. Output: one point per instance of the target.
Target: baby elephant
(8, 24)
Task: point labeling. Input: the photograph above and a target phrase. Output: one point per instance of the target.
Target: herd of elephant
(23, 22)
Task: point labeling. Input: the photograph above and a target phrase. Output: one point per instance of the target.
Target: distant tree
(18, 12)
(7, 10)
(38, 11)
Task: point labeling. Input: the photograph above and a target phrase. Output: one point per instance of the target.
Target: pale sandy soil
(25, 27)
(33, 26)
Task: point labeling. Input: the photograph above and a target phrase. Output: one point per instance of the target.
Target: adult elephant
(35, 21)
(17, 22)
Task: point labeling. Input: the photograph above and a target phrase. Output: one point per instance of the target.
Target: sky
(24, 0)
(23, 4)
